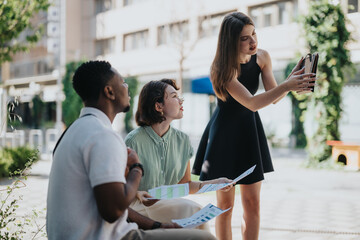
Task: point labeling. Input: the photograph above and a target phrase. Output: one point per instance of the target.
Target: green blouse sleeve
(190, 148)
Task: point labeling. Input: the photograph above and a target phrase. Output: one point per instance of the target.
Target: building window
(210, 25)
(22, 69)
(353, 6)
(271, 14)
(33, 67)
(104, 46)
(136, 40)
(103, 5)
(173, 33)
(131, 2)
(44, 67)
(283, 14)
(255, 15)
(354, 79)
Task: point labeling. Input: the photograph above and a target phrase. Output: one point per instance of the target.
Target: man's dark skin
(114, 198)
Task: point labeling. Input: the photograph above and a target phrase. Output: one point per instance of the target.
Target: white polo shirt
(89, 154)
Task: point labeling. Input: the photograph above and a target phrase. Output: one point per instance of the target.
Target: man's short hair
(91, 78)
(151, 93)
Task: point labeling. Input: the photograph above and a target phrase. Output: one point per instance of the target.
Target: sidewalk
(302, 204)
(296, 203)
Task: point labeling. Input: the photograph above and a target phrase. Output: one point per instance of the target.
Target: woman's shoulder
(184, 144)
(263, 58)
(134, 135)
(180, 134)
(262, 53)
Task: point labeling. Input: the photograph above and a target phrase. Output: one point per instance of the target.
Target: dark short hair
(151, 93)
(90, 78)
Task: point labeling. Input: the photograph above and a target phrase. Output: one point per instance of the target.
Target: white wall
(283, 42)
(280, 40)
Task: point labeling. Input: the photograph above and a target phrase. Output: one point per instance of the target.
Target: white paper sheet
(215, 187)
(182, 190)
(206, 214)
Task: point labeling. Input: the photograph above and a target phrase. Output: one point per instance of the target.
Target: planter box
(347, 153)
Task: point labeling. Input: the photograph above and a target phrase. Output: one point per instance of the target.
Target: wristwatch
(137, 165)
(156, 225)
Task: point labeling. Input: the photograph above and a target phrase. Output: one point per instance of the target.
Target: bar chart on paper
(204, 215)
(215, 187)
(170, 191)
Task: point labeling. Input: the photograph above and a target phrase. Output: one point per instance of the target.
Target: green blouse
(164, 158)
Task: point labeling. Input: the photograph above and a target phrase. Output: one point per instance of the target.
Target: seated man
(94, 177)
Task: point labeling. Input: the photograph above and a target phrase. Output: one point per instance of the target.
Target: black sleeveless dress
(234, 139)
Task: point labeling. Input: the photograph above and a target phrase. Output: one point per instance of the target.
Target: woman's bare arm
(273, 92)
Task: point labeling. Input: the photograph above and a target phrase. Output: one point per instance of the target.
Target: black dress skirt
(234, 139)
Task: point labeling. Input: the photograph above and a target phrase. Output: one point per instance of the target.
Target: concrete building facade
(154, 39)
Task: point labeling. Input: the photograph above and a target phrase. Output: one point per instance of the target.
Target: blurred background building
(154, 39)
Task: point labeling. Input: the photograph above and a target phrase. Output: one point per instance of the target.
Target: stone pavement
(303, 204)
(296, 203)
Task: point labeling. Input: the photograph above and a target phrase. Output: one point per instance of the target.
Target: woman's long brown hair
(225, 65)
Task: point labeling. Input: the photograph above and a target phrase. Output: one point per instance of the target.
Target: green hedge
(13, 160)
(133, 84)
(72, 104)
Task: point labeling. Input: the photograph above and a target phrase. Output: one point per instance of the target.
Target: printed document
(201, 217)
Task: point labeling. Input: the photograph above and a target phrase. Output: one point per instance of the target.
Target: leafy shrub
(12, 225)
(5, 162)
(133, 86)
(15, 159)
(326, 32)
(72, 104)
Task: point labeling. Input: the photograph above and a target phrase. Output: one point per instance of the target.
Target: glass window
(210, 25)
(22, 69)
(162, 35)
(104, 46)
(173, 33)
(269, 14)
(32, 67)
(136, 40)
(131, 2)
(43, 67)
(255, 16)
(353, 6)
(354, 79)
(103, 5)
(283, 14)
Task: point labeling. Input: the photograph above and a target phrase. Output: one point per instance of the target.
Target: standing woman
(234, 139)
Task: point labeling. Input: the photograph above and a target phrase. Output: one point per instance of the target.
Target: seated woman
(164, 152)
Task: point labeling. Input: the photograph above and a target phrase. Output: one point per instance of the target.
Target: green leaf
(326, 33)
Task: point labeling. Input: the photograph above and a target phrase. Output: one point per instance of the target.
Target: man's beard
(126, 109)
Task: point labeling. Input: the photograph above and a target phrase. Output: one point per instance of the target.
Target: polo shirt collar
(98, 114)
(155, 137)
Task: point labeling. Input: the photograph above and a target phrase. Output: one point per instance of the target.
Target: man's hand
(143, 197)
(132, 158)
(147, 223)
(170, 225)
